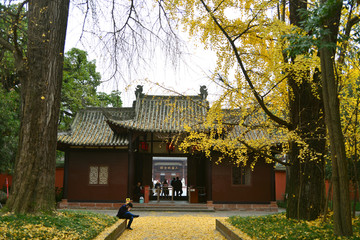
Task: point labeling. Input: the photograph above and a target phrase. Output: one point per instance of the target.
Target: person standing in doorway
(165, 190)
(178, 186)
(138, 192)
(172, 183)
(158, 188)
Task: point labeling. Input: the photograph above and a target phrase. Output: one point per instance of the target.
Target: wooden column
(208, 179)
(131, 167)
(66, 174)
(273, 189)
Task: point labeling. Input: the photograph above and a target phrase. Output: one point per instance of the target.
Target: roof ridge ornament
(203, 92)
(139, 91)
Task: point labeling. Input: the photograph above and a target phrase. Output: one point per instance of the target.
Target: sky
(186, 77)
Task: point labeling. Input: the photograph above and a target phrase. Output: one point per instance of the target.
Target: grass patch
(277, 226)
(282, 204)
(64, 224)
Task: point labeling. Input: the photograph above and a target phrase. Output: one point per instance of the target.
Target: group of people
(163, 188)
(177, 186)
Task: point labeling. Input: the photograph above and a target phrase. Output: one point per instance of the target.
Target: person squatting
(124, 213)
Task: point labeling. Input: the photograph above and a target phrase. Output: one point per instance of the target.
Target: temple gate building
(109, 150)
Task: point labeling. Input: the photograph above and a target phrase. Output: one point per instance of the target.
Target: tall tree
(306, 185)
(270, 78)
(253, 41)
(330, 21)
(39, 69)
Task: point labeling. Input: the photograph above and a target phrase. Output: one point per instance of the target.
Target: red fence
(59, 178)
(280, 185)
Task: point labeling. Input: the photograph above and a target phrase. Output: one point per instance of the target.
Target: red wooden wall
(78, 175)
(280, 184)
(259, 190)
(59, 177)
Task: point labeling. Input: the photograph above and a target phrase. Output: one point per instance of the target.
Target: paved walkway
(195, 226)
(177, 225)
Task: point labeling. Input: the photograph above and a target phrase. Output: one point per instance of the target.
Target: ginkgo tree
(272, 62)
(261, 79)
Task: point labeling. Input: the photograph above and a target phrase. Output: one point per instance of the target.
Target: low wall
(271, 207)
(114, 231)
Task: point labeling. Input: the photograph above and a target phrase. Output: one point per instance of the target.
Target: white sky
(186, 78)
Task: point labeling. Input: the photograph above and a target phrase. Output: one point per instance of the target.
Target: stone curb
(113, 232)
(226, 232)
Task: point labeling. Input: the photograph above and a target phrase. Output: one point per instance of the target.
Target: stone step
(173, 210)
(172, 207)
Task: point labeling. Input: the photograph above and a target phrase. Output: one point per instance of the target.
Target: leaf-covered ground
(178, 227)
(64, 224)
(277, 226)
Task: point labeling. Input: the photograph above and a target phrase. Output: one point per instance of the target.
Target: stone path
(177, 225)
(195, 226)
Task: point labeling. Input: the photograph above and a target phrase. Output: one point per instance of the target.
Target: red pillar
(146, 193)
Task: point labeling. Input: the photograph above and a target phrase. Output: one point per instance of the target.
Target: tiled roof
(165, 114)
(90, 128)
(254, 129)
(109, 127)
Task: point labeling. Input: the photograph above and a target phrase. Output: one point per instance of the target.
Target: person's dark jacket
(123, 209)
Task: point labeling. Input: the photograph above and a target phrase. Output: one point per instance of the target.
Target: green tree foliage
(80, 81)
(111, 100)
(9, 85)
(13, 34)
(9, 128)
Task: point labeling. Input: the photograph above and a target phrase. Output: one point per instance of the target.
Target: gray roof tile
(166, 114)
(90, 129)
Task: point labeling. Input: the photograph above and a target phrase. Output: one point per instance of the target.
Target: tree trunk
(306, 185)
(34, 176)
(340, 178)
(305, 190)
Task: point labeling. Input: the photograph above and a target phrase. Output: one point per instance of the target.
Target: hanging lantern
(170, 147)
(195, 148)
(144, 146)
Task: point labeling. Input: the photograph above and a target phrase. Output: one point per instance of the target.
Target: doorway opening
(168, 169)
